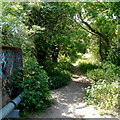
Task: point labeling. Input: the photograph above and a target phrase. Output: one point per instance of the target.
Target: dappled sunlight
(69, 100)
(86, 58)
(71, 53)
(80, 78)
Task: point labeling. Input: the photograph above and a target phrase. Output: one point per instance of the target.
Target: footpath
(69, 100)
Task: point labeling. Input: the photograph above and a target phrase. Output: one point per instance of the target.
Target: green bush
(114, 54)
(104, 94)
(59, 74)
(67, 66)
(59, 79)
(34, 86)
(108, 71)
(104, 90)
(95, 74)
(84, 67)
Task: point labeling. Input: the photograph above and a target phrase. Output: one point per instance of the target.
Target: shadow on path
(69, 100)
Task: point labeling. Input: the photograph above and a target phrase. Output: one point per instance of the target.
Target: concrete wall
(10, 60)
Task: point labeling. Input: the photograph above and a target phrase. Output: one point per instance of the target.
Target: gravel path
(69, 100)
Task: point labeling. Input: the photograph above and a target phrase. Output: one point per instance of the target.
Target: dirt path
(69, 100)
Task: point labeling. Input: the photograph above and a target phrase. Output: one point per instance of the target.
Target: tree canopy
(60, 27)
(53, 35)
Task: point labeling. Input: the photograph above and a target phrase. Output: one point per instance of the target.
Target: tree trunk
(55, 54)
(100, 49)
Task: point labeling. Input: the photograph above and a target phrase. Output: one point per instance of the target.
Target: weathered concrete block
(10, 60)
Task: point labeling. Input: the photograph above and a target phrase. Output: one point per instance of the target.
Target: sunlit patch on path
(78, 76)
(69, 100)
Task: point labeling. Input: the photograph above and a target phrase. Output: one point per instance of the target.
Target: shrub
(59, 74)
(114, 54)
(95, 74)
(84, 66)
(67, 66)
(104, 91)
(104, 94)
(59, 79)
(34, 86)
(109, 72)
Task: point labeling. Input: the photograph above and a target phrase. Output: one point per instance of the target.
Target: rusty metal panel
(10, 60)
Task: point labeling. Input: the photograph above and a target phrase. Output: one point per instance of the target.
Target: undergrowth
(59, 73)
(36, 83)
(104, 90)
(34, 87)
